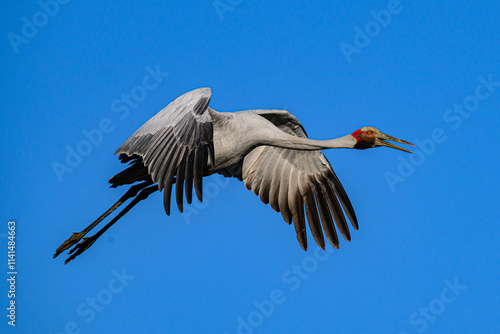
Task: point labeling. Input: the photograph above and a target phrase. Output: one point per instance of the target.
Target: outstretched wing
(293, 180)
(175, 145)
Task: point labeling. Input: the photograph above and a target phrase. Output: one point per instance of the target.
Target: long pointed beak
(381, 141)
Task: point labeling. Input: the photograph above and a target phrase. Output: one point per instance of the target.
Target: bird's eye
(361, 136)
(369, 132)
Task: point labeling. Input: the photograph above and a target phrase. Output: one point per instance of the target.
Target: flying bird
(267, 149)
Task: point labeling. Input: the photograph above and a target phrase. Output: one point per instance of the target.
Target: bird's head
(369, 137)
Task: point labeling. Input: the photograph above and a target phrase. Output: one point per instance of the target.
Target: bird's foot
(75, 238)
(81, 247)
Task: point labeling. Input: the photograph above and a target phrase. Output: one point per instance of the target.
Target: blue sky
(426, 257)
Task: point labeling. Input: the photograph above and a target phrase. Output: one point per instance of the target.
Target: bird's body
(267, 149)
(234, 136)
(237, 133)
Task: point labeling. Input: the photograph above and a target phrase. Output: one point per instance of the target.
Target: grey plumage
(177, 145)
(267, 149)
(305, 179)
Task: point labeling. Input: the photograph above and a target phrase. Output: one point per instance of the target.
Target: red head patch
(356, 134)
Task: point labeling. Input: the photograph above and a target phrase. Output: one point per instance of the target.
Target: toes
(75, 237)
(80, 248)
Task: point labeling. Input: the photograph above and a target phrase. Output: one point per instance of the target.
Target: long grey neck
(306, 144)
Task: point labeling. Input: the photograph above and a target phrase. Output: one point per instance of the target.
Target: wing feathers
(336, 211)
(283, 194)
(294, 181)
(274, 187)
(168, 179)
(326, 218)
(189, 177)
(346, 203)
(313, 219)
(198, 173)
(296, 205)
(175, 145)
(179, 184)
(288, 179)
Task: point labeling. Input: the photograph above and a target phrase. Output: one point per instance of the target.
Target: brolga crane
(267, 149)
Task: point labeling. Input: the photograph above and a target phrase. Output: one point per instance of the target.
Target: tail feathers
(136, 172)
